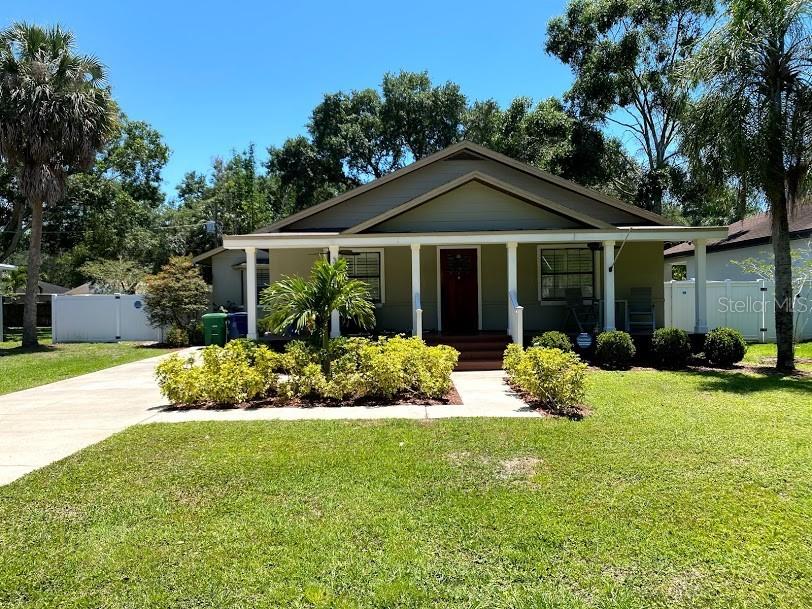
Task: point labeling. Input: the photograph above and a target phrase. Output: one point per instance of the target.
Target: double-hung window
(563, 268)
(367, 266)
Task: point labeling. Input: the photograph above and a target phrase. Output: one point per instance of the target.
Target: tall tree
(625, 55)
(55, 115)
(756, 72)
(550, 137)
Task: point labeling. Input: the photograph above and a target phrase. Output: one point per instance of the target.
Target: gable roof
(486, 180)
(469, 148)
(754, 230)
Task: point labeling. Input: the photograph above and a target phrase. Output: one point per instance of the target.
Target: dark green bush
(614, 350)
(553, 340)
(725, 346)
(670, 347)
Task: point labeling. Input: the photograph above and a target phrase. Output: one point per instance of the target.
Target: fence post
(763, 325)
(727, 304)
(2, 331)
(118, 316)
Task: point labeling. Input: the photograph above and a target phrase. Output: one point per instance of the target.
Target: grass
(24, 368)
(681, 489)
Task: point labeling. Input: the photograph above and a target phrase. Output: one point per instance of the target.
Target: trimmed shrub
(360, 367)
(553, 340)
(615, 350)
(177, 337)
(670, 347)
(725, 346)
(228, 375)
(551, 377)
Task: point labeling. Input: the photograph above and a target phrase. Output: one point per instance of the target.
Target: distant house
(464, 241)
(749, 238)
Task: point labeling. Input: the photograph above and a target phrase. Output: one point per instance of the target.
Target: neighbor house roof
(475, 151)
(754, 230)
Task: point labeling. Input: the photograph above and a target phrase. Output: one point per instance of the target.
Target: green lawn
(756, 352)
(23, 368)
(679, 490)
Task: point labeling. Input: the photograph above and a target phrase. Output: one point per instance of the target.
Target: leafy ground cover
(24, 368)
(680, 489)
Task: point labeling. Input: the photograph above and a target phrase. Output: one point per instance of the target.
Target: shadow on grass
(20, 350)
(740, 382)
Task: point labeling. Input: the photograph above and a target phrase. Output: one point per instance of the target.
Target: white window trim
(562, 246)
(381, 251)
(478, 281)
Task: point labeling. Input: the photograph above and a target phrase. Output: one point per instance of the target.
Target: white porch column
(700, 288)
(512, 282)
(335, 320)
(417, 307)
(608, 285)
(251, 290)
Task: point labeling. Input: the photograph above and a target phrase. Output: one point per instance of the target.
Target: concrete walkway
(44, 424)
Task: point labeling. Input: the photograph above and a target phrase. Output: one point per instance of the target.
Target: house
(465, 241)
(748, 238)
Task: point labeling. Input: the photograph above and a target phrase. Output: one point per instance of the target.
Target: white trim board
(322, 240)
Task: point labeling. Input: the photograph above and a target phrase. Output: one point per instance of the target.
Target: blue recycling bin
(237, 325)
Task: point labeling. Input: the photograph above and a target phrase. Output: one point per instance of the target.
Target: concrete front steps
(481, 351)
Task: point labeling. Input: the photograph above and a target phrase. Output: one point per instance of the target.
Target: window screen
(366, 266)
(566, 268)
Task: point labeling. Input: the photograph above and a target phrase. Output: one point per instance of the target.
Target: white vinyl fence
(747, 306)
(99, 318)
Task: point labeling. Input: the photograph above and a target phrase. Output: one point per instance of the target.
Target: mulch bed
(452, 398)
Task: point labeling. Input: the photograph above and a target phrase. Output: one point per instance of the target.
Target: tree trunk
(32, 283)
(783, 286)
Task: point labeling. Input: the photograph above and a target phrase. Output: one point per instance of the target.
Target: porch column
(251, 290)
(608, 285)
(512, 282)
(700, 288)
(335, 320)
(417, 306)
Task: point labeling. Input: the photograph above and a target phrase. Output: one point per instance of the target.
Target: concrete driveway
(44, 424)
(41, 425)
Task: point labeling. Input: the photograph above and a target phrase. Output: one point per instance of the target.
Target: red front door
(459, 290)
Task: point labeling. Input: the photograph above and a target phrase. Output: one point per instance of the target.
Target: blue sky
(213, 76)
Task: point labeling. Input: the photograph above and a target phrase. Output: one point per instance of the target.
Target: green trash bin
(214, 329)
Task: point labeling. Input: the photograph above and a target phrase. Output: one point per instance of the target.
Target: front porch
(510, 283)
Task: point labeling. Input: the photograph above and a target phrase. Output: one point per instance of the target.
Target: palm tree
(756, 74)
(305, 305)
(55, 115)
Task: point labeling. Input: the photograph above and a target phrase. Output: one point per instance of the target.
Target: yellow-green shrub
(551, 377)
(232, 374)
(384, 368)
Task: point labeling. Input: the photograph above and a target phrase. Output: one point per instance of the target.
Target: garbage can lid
(237, 314)
(214, 316)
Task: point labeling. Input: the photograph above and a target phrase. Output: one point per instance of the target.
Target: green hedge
(552, 377)
(670, 348)
(615, 350)
(242, 371)
(725, 346)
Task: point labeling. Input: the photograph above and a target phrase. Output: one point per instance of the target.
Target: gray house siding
(474, 207)
(374, 202)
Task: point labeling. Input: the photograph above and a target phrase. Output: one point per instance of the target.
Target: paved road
(41, 425)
